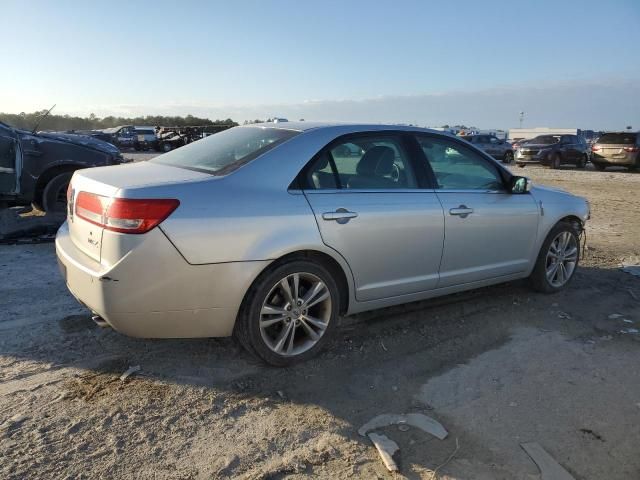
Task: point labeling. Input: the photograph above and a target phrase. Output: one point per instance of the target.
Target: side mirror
(520, 184)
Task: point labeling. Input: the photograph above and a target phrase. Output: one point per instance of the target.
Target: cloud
(610, 104)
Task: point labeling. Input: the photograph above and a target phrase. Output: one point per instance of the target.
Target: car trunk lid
(97, 188)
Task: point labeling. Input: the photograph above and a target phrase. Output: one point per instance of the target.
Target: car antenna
(42, 118)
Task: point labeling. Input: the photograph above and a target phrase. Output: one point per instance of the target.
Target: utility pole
(521, 118)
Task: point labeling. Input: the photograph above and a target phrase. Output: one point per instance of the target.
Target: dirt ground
(497, 367)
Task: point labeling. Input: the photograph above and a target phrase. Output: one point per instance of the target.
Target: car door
(489, 232)
(480, 141)
(568, 148)
(10, 162)
(490, 146)
(365, 194)
(496, 147)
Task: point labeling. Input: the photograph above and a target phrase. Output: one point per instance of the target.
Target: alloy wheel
(562, 259)
(295, 314)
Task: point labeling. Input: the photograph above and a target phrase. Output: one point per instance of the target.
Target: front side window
(459, 168)
(225, 151)
(363, 163)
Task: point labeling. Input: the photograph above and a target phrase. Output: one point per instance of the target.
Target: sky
(564, 63)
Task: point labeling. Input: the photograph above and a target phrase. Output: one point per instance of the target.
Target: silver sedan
(271, 232)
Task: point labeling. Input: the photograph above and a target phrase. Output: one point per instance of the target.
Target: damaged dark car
(35, 168)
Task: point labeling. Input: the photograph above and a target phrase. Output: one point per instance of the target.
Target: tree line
(53, 122)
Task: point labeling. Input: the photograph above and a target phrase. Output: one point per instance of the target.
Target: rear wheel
(557, 260)
(508, 157)
(289, 313)
(555, 161)
(54, 195)
(582, 162)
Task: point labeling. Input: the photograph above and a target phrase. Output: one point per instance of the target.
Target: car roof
(342, 126)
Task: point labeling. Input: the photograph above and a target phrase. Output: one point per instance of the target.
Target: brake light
(630, 149)
(124, 215)
(595, 148)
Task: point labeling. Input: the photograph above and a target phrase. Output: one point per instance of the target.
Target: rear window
(618, 138)
(545, 140)
(225, 151)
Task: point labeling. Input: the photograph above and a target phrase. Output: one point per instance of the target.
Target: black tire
(555, 161)
(247, 328)
(599, 166)
(582, 162)
(538, 278)
(166, 147)
(508, 157)
(54, 195)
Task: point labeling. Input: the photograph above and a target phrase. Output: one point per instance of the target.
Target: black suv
(553, 151)
(36, 167)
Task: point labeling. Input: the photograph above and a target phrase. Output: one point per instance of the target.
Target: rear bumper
(528, 160)
(153, 292)
(627, 161)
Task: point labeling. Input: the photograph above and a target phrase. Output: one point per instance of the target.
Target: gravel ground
(497, 367)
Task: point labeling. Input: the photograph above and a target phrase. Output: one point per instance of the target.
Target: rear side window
(363, 163)
(618, 138)
(459, 168)
(226, 151)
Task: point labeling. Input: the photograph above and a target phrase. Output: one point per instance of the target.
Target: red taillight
(124, 215)
(631, 149)
(595, 148)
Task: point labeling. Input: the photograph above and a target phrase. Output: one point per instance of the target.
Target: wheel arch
(335, 267)
(47, 175)
(573, 219)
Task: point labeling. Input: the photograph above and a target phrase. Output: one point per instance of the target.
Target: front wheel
(289, 313)
(557, 260)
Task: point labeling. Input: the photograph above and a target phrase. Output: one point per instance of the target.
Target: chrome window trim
(358, 190)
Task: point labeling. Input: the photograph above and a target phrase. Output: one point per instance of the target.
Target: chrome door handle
(462, 211)
(341, 215)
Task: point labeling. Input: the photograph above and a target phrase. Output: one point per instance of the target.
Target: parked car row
(621, 149)
(160, 139)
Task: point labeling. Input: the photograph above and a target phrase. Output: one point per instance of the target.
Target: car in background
(35, 168)
(497, 148)
(620, 149)
(553, 151)
(271, 232)
(123, 136)
(145, 138)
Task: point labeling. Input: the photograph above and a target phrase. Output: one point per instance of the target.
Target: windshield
(618, 138)
(223, 152)
(545, 140)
